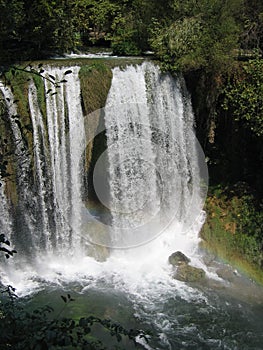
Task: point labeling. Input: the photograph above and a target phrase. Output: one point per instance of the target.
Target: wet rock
(99, 253)
(178, 258)
(226, 273)
(188, 273)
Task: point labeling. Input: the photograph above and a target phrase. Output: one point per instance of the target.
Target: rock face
(178, 258)
(185, 272)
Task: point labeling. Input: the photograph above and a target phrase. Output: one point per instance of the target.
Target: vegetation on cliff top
(184, 34)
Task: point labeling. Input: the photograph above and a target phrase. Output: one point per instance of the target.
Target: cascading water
(65, 130)
(5, 220)
(153, 175)
(151, 178)
(48, 181)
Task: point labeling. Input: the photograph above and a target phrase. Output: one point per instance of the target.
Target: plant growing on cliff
(233, 229)
(243, 95)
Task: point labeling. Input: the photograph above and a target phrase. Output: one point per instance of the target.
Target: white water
(20, 155)
(40, 154)
(154, 181)
(154, 173)
(5, 220)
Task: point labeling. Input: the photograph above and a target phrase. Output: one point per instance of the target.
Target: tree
(252, 31)
(12, 20)
(243, 95)
(198, 35)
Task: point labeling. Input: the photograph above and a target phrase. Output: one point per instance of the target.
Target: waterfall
(5, 220)
(154, 175)
(109, 247)
(149, 177)
(49, 188)
(26, 204)
(66, 137)
(40, 156)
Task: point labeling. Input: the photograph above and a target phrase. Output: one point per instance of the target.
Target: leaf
(64, 298)
(29, 127)
(18, 123)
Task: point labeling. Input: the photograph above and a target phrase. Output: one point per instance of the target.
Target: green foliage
(12, 20)
(5, 246)
(179, 45)
(185, 35)
(234, 225)
(40, 329)
(199, 35)
(243, 95)
(252, 32)
(128, 34)
(50, 27)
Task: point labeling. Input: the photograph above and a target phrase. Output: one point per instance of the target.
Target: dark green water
(212, 315)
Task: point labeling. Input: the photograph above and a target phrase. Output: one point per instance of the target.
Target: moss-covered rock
(183, 271)
(178, 258)
(95, 80)
(188, 273)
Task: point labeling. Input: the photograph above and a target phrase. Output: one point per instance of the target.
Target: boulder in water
(187, 273)
(184, 271)
(178, 258)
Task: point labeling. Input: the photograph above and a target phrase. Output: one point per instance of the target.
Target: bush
(233, 228)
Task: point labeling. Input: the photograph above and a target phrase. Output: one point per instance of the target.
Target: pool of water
(223, 312)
